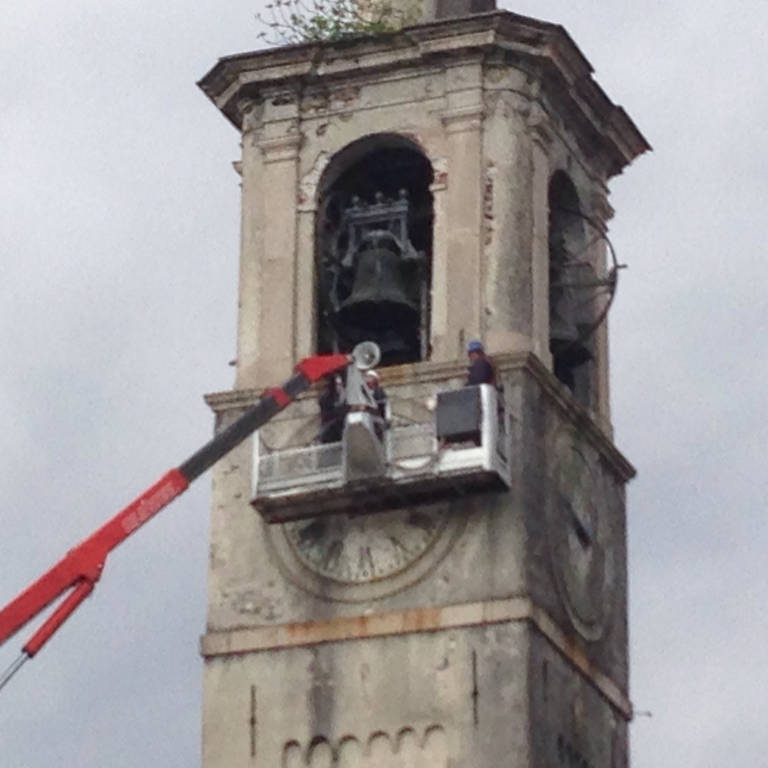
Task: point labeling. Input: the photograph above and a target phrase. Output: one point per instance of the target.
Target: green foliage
(302, 21)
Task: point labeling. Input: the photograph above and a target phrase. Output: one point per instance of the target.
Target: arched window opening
(571, 289)
(374, 250)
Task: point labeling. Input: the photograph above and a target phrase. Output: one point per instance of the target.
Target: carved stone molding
(283, 97)
(251, 114)
(511, 104)
(458, 44)
(464, 119)
(281, 148)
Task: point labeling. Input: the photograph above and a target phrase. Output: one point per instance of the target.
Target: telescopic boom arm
(80, 569)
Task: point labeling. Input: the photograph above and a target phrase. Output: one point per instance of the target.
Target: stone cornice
(463, 119)
(238, 641)
(602, 126)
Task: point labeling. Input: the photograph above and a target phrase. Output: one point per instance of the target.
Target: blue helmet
(475, 346)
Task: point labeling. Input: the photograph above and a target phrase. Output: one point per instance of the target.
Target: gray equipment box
(459, 415)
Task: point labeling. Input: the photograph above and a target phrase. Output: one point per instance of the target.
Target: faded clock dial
(362, 548)
(579, 536)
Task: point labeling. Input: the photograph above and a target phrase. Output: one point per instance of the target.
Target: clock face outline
(360, 548)
(359, 556)
(582, 555)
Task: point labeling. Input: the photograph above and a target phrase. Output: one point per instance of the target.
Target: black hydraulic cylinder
(270, 404)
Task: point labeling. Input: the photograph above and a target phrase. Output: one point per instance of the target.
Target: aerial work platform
(463, 450)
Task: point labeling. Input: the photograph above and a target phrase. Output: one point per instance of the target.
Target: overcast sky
(119, 247)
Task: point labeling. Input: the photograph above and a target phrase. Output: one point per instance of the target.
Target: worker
(332, 410)
(480, 369)
(380, 398)
(373, 383)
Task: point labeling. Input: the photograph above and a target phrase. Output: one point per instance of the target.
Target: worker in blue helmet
(480, 369)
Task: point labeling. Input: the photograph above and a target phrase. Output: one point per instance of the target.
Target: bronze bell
(378, 298)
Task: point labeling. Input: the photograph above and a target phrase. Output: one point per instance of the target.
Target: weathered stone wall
(505, 643)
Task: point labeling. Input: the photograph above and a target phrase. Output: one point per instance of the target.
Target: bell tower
(467, 605)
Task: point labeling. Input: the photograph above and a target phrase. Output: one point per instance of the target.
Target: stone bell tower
(421, 189)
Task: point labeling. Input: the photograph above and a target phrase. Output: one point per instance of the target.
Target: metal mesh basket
(296, 464)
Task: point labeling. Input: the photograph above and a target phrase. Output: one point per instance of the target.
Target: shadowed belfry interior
(374, 246)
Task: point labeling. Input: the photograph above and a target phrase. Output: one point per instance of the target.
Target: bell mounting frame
(591, 288)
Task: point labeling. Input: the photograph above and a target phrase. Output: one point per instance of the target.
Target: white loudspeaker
(366, 355)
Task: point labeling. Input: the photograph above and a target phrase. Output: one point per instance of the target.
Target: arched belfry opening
(571, 289)
(373, 249)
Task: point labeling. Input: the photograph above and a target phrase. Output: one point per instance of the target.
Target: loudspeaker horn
(366, 355)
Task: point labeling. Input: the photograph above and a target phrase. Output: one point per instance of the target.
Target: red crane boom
(79, 570)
